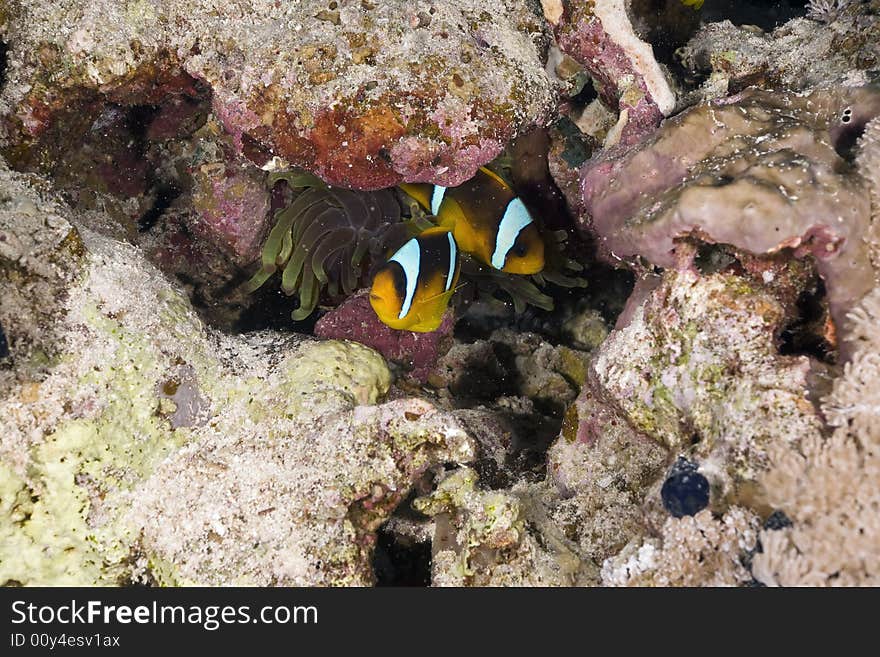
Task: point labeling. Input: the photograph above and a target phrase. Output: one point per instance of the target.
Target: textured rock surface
(485, 538)
(800, 54)
(761, 172)
(40, 255)
(232, 206)
(365, 94)
(695, 551)
(152, 449)
(600, 36)
(697, 370)
(356, 320)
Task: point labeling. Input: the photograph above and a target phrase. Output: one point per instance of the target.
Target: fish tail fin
(421, 192)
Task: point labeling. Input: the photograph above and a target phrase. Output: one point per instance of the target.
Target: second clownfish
(487, 220)
(412, 289)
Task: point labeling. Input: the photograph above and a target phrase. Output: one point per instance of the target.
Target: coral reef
(828, 486)
(761, 172)
(482, 538)
(841, 50)
(232, 205)
(366, 95)
(150, 446)
(696, 551)
(600, 36)
(417, 353)
(704, 413)
(697, 370)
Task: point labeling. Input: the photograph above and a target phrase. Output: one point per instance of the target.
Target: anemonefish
(411, 291)
(487, 220)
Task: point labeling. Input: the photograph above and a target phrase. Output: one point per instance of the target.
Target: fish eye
(519, 250)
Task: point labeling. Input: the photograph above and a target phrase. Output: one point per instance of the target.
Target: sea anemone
(326, 239)
(524, 290)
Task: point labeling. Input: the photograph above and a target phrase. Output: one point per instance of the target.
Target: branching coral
(826, 10)
(830, 488)
(322, 239)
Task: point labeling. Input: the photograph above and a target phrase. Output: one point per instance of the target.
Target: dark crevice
(4, 345)
(165, 196)
(846, 136)
(713, 258)
(766, 15)
(400, 561)
(138, 119)
(4, 61)
(607, 290)
(805, 335)
(271, 310)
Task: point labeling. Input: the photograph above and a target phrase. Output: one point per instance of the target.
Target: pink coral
(356, 320)
(600, 37)
(759, 171)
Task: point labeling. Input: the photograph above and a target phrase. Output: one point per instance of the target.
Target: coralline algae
(383, 92)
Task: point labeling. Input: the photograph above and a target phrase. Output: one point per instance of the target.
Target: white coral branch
(826, 11)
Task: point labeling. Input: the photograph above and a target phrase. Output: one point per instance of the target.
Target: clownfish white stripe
(452, 258)
(437, 198)
(408, 257)
(516, 217)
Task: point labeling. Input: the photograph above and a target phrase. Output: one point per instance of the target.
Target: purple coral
(759, 171)
(356, 320)
(601, 38)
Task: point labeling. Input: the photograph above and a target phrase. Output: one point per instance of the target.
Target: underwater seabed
(213, 218)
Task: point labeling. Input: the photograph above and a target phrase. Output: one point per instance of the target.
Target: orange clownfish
(412, 289)
(487, 220)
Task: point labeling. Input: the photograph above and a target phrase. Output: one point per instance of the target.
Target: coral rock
(232, 202)
(150, 448)
(356, 320)
(40, 254)
(696, 369)
(600, 36)
(762, 172)
(380, 94)
(800, 54)
(482, 538)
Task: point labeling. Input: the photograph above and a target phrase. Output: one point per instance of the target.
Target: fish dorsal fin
(421, 192)
(515, 218)
(494, 176)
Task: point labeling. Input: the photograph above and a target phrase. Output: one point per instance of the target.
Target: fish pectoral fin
(438, 296)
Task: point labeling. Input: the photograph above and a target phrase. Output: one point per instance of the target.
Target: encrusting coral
(840, 46)
(151, 448)
(483, 538)
(760, 171)
(366, 95)
(701, 443)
